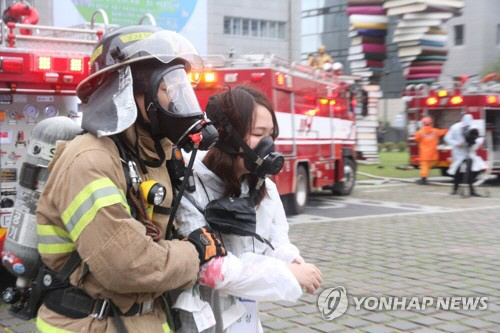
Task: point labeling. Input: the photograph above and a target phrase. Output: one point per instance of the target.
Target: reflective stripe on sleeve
(53, 240)
(43, 327)
(166, 328)
(84, 207)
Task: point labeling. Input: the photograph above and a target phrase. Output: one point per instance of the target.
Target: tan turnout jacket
(83, 208)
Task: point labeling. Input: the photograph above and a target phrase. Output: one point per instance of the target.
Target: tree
(493, 67)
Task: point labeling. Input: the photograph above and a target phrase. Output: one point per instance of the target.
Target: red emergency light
(280, 79)
(432, 101)
(194, 76)
(44, 63)
(257, 77)
(457, 100)
(209, 77)
(76, 65)
(11, 64)
(492, 99)
(312, 112)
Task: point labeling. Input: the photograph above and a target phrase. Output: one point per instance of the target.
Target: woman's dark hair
(238, 104)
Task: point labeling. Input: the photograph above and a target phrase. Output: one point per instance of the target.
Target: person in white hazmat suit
(226, 298)
(462, 151)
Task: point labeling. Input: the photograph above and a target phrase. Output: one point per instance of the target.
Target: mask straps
(226, 124)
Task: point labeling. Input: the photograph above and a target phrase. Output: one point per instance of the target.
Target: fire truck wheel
(345, 187)
(296, 201)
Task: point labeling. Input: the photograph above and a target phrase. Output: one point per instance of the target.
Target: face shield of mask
(178, 111)
(175, 95)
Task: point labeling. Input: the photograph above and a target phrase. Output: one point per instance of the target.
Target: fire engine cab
(316, 118)
(446, 107)
(40, 67)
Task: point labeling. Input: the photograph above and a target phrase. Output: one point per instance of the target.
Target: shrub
(402, 146)
(389, 146)
(380, 147)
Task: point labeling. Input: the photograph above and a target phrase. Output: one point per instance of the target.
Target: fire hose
(481, 179)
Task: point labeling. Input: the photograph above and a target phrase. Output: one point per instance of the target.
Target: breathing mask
(471, 135)
(173, 109)
(260, 161)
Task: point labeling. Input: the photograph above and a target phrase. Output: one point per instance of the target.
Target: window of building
(281, 30)
(236, 26)
(310, 25)
(273, 33)
(246, 27)
(227, 25)
(459, 34)
(254, 28)
(263, 29)
(498, 34)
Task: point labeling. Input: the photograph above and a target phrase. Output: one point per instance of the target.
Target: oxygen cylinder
(20, 255)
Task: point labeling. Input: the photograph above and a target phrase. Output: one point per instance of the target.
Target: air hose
(196, 138)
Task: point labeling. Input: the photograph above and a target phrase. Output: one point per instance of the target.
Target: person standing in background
(428, 141)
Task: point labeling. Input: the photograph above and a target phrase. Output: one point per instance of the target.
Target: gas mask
(260, 161)
(471, 135)
(173, 109)
(272, 162)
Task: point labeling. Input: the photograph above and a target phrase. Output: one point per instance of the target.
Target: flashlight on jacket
(154, 193)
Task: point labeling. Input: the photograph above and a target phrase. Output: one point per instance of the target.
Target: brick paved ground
(436, 253)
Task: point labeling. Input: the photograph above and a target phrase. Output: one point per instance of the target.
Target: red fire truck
(315, 112)
(40, 67)
(446, 107)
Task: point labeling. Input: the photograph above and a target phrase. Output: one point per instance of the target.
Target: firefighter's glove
(207, 244)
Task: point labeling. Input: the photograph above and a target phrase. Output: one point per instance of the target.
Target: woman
(253, 271)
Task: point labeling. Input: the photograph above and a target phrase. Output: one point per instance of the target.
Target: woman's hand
(308, 275)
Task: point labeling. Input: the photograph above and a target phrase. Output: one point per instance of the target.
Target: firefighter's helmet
(127, 45)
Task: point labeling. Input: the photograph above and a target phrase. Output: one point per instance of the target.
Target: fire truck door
(332, 145)
(283, 101)
(493, 127)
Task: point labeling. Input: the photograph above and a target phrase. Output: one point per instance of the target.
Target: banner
(188, 17)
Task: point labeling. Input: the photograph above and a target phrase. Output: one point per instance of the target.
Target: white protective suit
(460, 151)
(251, 271)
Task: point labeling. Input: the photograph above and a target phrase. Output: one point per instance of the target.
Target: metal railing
(271, 60)
(50, 34)
(149, 17)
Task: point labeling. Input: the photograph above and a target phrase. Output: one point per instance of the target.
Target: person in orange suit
(428, 140)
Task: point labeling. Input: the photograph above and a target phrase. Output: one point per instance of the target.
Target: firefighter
(323, 57)
(92, 227)
(464, 139)
(312, 60)
(428, 140)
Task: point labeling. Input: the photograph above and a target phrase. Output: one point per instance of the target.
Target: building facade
(254, 27)
(474, 39)
(324, 22)
(474, 42)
